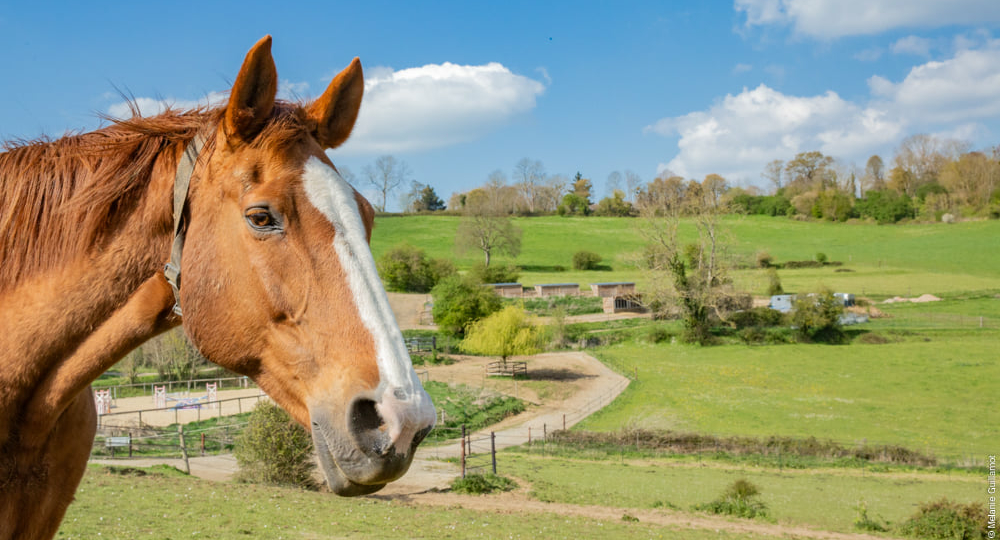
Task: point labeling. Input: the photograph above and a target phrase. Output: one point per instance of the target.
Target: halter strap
(182, 181)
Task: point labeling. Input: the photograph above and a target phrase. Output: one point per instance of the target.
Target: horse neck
(46, 316)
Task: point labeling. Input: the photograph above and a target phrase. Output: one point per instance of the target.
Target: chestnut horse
(278, 283)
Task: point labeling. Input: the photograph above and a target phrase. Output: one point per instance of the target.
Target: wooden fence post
(493, 450)
(184, 452)
(463, 450)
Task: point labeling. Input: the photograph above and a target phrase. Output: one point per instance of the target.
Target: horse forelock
(59, 197)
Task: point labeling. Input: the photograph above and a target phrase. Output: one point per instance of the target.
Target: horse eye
(261, 219)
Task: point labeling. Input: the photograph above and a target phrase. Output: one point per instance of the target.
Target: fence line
(188, 385)
(179, 412)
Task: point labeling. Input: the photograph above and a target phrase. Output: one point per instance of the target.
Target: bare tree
(486, 224)
(690, 277)
(632, 184)
(773, 173)
(529, 176)
(386, 175)
(613, 183)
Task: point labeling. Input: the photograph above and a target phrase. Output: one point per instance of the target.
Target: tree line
(929, 178)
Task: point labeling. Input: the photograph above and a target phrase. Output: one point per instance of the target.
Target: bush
(585, 260)
(274, 449)
(865, 522)
(817, 318)
(947, 519)
(482, 484)
(764, 259)
(497, 273)
(774, 282)
(405, 268)
(821, 257)
(458, 302)
(740, 500)
(757, 317)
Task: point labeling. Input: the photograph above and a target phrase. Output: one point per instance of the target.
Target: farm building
(508, 290)
(610, 290)
(557, 289)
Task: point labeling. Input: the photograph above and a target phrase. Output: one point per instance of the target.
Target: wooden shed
(557, 289)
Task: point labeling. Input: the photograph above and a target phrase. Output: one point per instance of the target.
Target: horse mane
(60, 197)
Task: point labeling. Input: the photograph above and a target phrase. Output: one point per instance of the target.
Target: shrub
(657, 334)
(757, 317)
(458, 302)
(274, 449)
(764, 259)
(821, 257)
(482, 484)
(947, 519)
(585, 260)
(885, 206)
(497, 273)
(817, 318)
(405, 268)
(865, 522)
(740, 499)
(774, 282)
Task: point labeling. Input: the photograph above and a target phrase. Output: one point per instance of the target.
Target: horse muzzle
(372, 442)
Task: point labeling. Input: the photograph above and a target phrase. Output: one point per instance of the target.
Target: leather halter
(182, 181)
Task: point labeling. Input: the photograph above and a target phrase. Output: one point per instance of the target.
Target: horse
(279, 283)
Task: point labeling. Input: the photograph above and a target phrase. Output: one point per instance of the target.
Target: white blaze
(403, 393)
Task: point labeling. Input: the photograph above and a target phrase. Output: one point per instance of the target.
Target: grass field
(931, 388)
(886, 260)
(164, 505)
(825, 499)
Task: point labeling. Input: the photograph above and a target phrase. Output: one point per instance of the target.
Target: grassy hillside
(885, 260)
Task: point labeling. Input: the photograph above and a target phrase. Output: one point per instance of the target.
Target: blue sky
(460, 89)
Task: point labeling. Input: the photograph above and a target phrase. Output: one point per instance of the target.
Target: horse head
(279, 282)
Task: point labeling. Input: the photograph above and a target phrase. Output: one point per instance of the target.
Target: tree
(386, 175)
(582, 187)
(773, 173)
(810, 170)
(615, 206)
(613, 184)
(460, 301)
(505, 333)
(529, 176)
(874, 177)
(486, 224)
(573, 205)
(405, 268)
(692, 277)
(422, 198)
(632, 184)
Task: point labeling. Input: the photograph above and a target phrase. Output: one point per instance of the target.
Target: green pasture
(162, 505)
(909, 259)
(823, 499)
(936, 397)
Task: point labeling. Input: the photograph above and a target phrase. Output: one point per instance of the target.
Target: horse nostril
(368, 427)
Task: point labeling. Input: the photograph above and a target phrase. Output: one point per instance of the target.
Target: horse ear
(337, 109)
(252, 98)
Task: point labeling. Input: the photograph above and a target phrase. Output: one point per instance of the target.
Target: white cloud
(740, 133)
(411, 109)
(152, 106)
(960, 89)
(912, 45)
(830, 19)
(438, 105)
